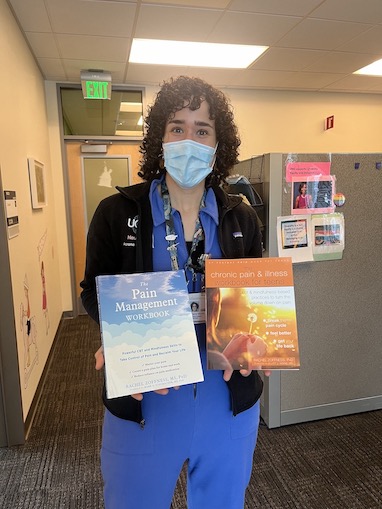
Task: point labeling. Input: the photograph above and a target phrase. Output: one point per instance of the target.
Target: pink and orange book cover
(251, 314)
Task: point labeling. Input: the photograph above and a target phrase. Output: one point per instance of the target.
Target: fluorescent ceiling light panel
(374, 69)
(131, 107)
(194, 54)
(122, 132)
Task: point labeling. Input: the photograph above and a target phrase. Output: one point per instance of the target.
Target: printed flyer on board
(147, 332)
(251, 314)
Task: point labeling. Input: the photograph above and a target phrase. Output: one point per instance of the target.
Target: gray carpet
(334, 464)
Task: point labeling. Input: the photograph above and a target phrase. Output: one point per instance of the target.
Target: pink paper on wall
(301, 170)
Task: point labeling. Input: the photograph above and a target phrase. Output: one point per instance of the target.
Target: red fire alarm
(329, 122)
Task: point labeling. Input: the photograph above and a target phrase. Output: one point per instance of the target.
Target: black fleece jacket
(119, 241)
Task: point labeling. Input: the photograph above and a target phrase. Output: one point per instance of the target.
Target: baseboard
(330, 410)
(34, 405)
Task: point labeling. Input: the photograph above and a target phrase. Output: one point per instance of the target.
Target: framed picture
(37, 183)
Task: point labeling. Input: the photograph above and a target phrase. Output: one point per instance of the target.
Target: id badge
(198, 307)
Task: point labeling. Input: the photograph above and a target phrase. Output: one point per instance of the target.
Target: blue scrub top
(209, 218)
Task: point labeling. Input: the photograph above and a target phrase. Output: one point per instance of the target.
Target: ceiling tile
(321, 34)
(32, 15)
(366, 42)
(43, 44)
(52, 67)
(175, 23)
(249, 28)
(354, 83)
(110, 1)
(220, 77)
(290, 8)
(365, 11)
(110, 49)
(280, 80)
(92, 18)
(341, 62)
(208, 4)
(152, 74)
(287, 59)
(378, 86)
(307, 80)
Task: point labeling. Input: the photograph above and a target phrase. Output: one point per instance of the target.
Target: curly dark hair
(173, 96)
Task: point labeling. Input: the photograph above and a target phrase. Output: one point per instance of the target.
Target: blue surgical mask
(188, 162)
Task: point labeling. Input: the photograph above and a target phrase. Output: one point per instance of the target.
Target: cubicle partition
(338, 302)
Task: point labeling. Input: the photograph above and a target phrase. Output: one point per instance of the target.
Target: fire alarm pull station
(329, 122)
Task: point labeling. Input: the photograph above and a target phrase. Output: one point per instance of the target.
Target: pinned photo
(313, 196)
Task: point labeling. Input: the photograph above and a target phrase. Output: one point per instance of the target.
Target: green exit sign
(96, 89)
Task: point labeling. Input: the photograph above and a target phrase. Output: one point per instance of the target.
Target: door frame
(77, 307)
(12, 430)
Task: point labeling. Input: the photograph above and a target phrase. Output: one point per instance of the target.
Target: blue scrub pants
(140, 467)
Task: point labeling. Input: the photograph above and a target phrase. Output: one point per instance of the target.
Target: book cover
(251, 314)
(147, 332)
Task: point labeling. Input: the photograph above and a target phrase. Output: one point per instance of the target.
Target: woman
(176, 218)
(303, 200)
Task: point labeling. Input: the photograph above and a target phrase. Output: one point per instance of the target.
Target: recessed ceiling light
(374, 69)
(194, 54)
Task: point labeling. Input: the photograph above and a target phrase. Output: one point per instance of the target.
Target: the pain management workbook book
(147, 332)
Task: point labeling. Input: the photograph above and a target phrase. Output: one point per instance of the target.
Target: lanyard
(171, 236)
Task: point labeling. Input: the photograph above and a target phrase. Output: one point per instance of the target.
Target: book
(251, 314)
(147, 332)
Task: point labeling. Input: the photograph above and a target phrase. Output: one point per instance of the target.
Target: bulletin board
(338, 301)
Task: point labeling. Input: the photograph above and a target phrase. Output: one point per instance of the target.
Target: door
(91, 177)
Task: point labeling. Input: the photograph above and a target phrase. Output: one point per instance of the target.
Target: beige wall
(23, 134)
(271, 121)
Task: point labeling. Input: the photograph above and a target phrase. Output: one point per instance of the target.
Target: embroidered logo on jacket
(132, 224)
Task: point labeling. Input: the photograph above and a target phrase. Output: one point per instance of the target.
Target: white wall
(23, 134)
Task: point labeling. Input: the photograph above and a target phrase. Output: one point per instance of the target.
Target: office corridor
(334, 464)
